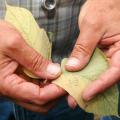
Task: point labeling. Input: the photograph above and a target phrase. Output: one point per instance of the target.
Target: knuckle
(38, 62)
(80, 48)
(14, 41)
(93, 23)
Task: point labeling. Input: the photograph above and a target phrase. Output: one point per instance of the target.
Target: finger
(84, 47)
(108, 40)
(71, 102)
(17, 88)
(51, 92)
(36, 108)
(112, 49)
(19, 50)
(106, 80)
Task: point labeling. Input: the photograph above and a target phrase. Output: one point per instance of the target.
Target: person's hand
(14, 51)
(99, 24)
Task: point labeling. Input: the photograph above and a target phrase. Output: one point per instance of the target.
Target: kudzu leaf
(25, 23)
(76, 82)
(73, 82)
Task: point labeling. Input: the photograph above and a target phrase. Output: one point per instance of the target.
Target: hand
(14, 51)
(99, 24)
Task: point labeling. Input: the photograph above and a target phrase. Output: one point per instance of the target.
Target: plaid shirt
(62, 22)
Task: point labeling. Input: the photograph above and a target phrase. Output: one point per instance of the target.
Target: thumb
(83, 49)
(20, 51)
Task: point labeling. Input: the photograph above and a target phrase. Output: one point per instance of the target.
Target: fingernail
(53, 69)
(72, 62)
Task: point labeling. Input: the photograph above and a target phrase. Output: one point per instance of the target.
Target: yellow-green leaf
(37, 38)
(75, 83)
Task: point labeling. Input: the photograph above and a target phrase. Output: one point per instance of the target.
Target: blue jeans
(110, 118)
(6, 109)
(60, 112)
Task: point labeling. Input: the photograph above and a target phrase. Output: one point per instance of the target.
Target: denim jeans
(6, 109)
(60, 112)
(110, 118)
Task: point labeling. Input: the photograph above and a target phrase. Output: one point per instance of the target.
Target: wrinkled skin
(14, 52)
(99, 23)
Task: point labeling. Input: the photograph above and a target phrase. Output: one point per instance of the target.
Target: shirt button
(48, 4)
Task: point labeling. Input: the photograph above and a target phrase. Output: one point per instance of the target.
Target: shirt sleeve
(2, 9)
